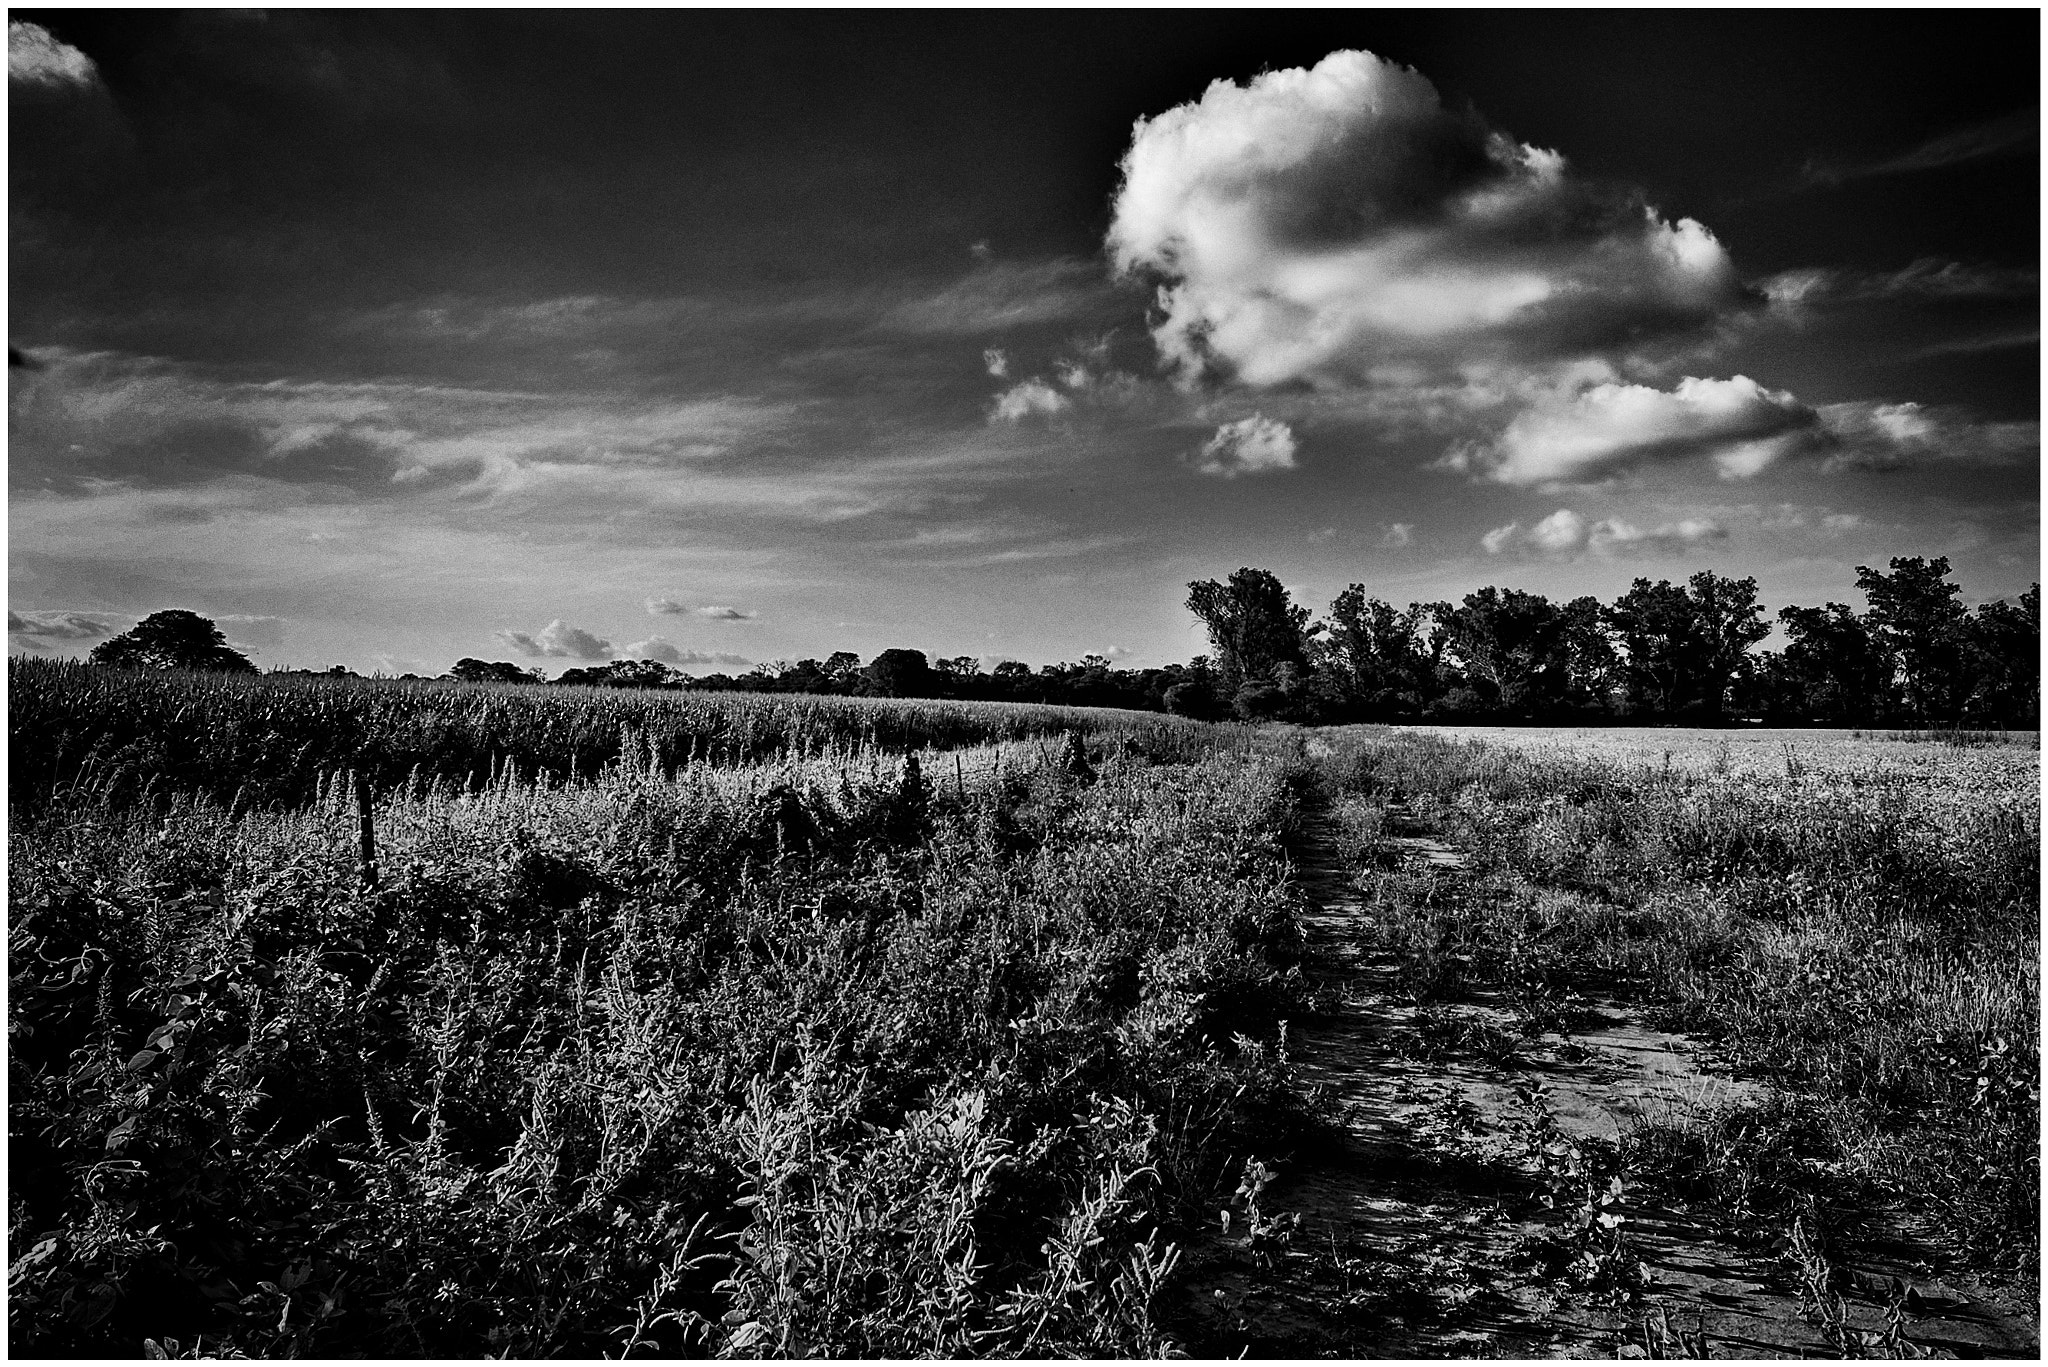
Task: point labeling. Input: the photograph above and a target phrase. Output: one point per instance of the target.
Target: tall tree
(469, 669)
(1916, 616)
(1681, 646)
(2002, 651)
(1512, 649)
(1253, 625)
(1831, 670)
(172, 639)
(1371, 657)
(900, 673)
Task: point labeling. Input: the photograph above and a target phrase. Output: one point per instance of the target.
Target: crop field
(585, 1025)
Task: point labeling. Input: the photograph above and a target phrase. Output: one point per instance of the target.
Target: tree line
(1659, 653)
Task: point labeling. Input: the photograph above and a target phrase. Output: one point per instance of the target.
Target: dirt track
(1422, 1228)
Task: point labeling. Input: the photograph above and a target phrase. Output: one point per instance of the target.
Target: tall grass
(823, 1053)
(265, 741)
(1868, 942)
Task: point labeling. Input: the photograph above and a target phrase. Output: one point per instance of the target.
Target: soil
(1419, 1228)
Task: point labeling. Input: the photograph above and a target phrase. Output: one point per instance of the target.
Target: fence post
(368, 831)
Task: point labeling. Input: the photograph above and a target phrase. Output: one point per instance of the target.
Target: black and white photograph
(1078, 683)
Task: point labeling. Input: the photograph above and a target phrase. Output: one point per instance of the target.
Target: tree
(1831, 670)
(900, 673)
(1192, 698)
(172, 639)
(623, 674)
(2002, 652)
(1253, 625)
(1513, 650)
(1917, 620)
(472, 670)
(1372, 659)
(1680, 647)
(841, 670)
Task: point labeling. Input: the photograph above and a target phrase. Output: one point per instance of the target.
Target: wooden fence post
(368, 831)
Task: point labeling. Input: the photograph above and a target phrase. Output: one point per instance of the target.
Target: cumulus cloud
(1567, 535)
(58, 625)
(1249, 446)
(668, 653)
(1313, 225)
(1737, 424)
(558, 638)
(1029, 398)
(1397, 535)
(37, 59)
(997, 363)
(1867, 435)
(658, 607)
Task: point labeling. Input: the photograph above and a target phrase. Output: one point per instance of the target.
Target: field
(778, 1027)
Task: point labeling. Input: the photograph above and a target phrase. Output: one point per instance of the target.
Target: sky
(387, 338)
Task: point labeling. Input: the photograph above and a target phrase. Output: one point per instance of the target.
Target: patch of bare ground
(1470, 1197)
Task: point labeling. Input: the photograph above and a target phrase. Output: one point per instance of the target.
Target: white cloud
(717, 612)
(998, 364)
(558, 638)
(1869, 435)
(1565, 535)
(35, 57)
(668, 653)
(1397, 535)
(1000, 294)
(59, 625)
(1741, 426)
(1928, 277)
(1314, 224)
(1248, 446)
(1034, 396)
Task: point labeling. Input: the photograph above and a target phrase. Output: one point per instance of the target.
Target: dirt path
(1421, 1229)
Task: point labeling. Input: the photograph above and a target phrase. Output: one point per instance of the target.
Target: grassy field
(828, 1053)
(773, 1027)
(1852, 920)
(267, 741)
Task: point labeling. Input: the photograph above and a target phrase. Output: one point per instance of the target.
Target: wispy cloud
(2007, 135)
(1928, 277)
(60, 625)
(1869, 435)
(999, 295)
(248, 631)
(668, 653)
(1736, 423)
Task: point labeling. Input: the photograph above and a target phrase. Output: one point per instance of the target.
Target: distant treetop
(172, 639)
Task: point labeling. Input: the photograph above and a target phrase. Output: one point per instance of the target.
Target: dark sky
(391, 337)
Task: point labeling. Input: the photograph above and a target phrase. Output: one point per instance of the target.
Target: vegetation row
(1661, 652)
